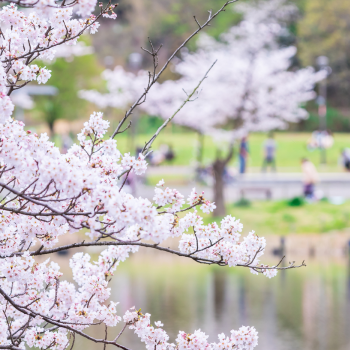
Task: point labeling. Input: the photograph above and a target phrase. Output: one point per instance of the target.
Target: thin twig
(188, 99)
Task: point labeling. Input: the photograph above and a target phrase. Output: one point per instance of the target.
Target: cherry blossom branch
(33, 4)
(47, 195)
(73, 335)
(52, 211)
(34, 53)
(56, 291)
(121, 332)
(54, 322)
(157, 247)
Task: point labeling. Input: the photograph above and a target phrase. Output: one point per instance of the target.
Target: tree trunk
(219, 199)
(218, 169)
(200, 150)
(51, 127)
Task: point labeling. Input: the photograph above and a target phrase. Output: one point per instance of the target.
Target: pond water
(306, 308)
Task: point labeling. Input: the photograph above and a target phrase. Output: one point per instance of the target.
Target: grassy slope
(291, 148)
(279, 218)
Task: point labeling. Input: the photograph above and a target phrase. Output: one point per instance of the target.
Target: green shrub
(243, 202)
(296, 202)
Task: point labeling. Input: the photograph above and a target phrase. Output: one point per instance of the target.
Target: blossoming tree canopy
(47, 195)
(252, 87)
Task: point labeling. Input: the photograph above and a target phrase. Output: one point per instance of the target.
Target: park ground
(291, 147)
(280, 218)
(265, 217)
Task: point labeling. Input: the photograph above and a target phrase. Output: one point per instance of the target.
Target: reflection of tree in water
(242, 301)
(270, 317)
(219, 293)
(307, 310)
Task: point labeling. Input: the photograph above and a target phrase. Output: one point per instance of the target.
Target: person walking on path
(270, 147)
(243, 155)
(310, 178)
(345, 158)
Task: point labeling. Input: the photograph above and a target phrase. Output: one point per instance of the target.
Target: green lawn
(291, 148)
(277, 217)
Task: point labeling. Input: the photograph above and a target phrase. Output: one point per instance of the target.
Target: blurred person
(227, 176)
(243, 154)
(322, 139)
(204, 175)
(310, 177)
(328, 139)
(67, 142)
(164, 153)
(156, 158)
(138, 150)
(170, 154)
(270, 147)
(345, 158)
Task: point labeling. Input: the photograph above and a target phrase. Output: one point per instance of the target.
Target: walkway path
(258, 185)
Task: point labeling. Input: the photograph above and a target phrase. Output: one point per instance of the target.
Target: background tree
(167, 22)
(250, 88)
(323, 31)
(65, 105)
(253, 88)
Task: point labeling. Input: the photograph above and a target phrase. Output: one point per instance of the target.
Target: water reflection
(306, 309)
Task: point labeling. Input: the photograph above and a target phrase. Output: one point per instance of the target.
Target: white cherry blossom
(47, 195)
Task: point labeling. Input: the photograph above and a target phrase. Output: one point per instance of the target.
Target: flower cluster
(139, 164)
(36, 35)
(74, 189)
(211, 242)
(170, 197)
(154, 337)
(50, 194)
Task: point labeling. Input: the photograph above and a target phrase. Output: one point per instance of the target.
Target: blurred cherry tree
(251, 87)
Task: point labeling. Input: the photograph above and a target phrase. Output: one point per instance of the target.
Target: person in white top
(310, 178)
